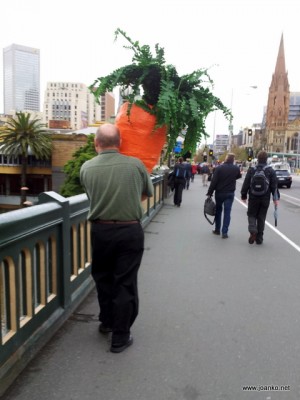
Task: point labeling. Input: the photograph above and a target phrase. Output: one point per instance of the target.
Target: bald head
(107, 137)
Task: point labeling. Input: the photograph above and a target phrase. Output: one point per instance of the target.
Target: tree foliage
(72, 186)
(23, 136)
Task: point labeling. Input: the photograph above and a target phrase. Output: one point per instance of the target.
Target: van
(281, 166)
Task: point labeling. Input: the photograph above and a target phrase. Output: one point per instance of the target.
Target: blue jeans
(223, 200)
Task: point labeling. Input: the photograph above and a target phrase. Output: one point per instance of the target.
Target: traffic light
(249, 158)
(204, 158)
(211, 153)
(249, 132)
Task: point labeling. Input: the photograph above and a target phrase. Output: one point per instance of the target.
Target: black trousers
(257, 213)
(117, 251)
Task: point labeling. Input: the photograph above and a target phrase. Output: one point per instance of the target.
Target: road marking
(289, 241)
(291, 197)
(282, 195)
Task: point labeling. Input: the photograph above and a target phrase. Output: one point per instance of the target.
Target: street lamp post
(298, 148)
(230, 127)
(214, 131)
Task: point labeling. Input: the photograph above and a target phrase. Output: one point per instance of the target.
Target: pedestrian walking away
(194, 171)
(223, 183)
(115, 185)
(188, 176)
(179, 183)
(205, 171)
(260, 182)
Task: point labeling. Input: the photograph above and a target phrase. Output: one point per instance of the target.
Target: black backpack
(260, 182)
(181, 171)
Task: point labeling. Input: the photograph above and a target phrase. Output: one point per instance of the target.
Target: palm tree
(21, 136)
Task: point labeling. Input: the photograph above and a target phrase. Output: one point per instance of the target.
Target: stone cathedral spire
(279, 95)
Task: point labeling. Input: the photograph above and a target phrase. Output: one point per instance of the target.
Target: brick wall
(64, 146)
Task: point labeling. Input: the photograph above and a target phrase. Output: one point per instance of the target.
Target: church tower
(279, 94)
(278, 104)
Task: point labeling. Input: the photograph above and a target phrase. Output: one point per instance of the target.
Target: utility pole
(230, 127)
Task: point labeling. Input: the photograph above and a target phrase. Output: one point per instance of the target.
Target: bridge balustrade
(45, 255)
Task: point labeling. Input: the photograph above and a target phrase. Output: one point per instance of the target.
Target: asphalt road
(216, 316)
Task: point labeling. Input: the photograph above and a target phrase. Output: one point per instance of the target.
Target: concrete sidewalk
(216, 315)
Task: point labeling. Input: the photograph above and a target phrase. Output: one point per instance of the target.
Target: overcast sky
(237, 39)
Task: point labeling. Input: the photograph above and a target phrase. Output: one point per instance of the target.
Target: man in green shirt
(115, 185)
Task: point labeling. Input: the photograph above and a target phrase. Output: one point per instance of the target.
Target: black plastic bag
(209, 209)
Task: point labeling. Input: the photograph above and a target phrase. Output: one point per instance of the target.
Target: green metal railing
(45, 254)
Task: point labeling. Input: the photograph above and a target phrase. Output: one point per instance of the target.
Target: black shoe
(104, 329)
(215, 232)
(224, 236)
(119, 347)
(252, 238)
(259, 238)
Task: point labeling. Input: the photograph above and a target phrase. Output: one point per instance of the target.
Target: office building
(21, 78)
(71, 105)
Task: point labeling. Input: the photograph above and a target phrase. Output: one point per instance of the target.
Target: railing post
(64, 247)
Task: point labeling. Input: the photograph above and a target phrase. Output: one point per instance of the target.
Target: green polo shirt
(114, 184)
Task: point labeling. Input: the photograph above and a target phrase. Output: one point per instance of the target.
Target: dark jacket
(224, 179)
(188, 168)
(271, 175)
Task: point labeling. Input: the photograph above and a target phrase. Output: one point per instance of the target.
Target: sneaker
(252, 237)
(104, 329)
(224, 236)
(259, 241)
(119, 347)
(216, 232)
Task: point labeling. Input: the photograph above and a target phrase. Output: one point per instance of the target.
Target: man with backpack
(259, 183)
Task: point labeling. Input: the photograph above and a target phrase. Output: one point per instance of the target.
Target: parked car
(284, 178)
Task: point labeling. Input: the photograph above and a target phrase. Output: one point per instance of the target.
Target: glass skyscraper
(21, 75)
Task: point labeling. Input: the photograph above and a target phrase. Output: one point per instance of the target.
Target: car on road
(284, 178)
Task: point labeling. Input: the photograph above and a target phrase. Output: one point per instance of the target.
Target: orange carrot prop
(138, 137)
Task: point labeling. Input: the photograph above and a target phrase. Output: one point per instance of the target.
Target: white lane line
(291, 197)
(287, 199)
(289, 241)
